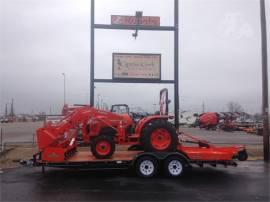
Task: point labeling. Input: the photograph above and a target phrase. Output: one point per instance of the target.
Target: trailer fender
(142, 123)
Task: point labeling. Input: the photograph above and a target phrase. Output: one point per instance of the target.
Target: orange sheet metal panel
(210, 154)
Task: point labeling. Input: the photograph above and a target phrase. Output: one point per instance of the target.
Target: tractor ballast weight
(104, 129)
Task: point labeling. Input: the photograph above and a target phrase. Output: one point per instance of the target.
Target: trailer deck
(84, 156)
(125, 159)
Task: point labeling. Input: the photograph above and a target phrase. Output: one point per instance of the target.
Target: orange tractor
(103, 130)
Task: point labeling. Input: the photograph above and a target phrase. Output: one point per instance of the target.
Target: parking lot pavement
(19, 131)
(247, 182)
(219, 136)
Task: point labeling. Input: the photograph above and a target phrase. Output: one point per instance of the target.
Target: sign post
(133, 74)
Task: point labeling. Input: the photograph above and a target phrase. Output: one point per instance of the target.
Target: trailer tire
(242, 155)
(159, 136)
(103, 147)
(146, 167)
(174, 166)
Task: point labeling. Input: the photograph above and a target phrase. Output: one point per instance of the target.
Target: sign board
(131, 20)
(164, 102)
(136, 66)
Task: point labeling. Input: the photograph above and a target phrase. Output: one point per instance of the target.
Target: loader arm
(89, 119)
(51, 133)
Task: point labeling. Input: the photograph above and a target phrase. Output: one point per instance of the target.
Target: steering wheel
(136, 116)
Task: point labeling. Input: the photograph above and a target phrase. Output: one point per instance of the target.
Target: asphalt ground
(223, 137)
(19, 131)
(247, 182)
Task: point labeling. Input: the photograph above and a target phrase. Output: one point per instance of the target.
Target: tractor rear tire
(103, 147)
(159, 136)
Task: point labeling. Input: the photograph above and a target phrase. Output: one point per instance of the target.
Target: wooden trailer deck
(86, 156)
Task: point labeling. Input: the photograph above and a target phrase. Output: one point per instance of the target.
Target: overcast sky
(220, 55)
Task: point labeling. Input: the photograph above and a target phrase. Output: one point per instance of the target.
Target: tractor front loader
(103, 130)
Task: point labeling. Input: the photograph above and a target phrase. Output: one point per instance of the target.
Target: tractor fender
(143, 122)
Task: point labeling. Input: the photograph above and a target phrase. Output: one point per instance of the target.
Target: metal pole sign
(136, 66)
(131, 67)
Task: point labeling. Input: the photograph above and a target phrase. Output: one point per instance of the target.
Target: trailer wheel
(174, 166)
(146, 167)
(242, 155)
(103, 147)
(160, 136)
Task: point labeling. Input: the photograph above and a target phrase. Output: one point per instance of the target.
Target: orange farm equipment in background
(209, 120)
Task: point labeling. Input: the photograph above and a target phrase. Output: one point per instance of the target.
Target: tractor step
(133, 138)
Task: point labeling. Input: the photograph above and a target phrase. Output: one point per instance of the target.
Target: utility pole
(265, 105)
(203, 107)
(154, 105)
(64, 75)
(12, 109)
(6, 111)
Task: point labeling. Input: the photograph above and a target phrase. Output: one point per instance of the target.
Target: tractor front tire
(103, 147)
(159, 136)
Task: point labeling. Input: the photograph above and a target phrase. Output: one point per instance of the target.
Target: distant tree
(234, 107)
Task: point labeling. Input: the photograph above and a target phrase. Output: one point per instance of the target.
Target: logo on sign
(132, 20)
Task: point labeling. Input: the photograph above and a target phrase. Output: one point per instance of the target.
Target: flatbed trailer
(151, 144)
(148, 164)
